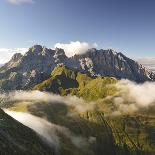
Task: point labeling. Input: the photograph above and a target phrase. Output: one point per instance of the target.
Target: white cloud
(49, 131)
(134, 97)
(141, 94)
(31, 97)
(148, 62)
(76, 47)
(7, 53)
(18, 2)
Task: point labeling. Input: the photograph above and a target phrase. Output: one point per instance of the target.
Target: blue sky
(125, 25)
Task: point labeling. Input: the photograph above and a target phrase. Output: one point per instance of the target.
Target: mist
(32, 97)
(133, 97)
(130, 98)
(49, 132)
(41, 126)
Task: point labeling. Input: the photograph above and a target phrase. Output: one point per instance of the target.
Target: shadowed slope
(16, 138)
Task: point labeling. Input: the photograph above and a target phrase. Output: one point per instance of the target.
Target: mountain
(25, 71)
(16, 138)
(64, 81)
(94, 123)
(111, 63)
(22, 72)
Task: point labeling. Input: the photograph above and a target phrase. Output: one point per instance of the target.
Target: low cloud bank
(41, 126)
(48, 131)
(134, 97)
(148, 62)
(7, 53)
(32, 97)
(76, 47)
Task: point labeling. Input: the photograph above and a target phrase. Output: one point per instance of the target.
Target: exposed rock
(59, 55)
(111, 63)
(15, 60)
(23, 72)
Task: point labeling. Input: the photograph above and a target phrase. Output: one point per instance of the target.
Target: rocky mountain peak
(14, 61)
(34, 50)
(16, 57)
(59, 55)
(37, 64)
(111, 63)
(37, 48)
(60, 52)
(45, 51)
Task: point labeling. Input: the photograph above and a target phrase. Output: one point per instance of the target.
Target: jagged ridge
(64, 81)
(23, 72)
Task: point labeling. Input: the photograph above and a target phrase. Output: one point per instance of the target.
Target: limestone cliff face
(111, 63)
(22, 72)
(15, 60)
(25, 71)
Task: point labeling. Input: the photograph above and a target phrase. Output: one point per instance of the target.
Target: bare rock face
(59, 55)
(15, 60)
(22, 72)
(25, 71)
(111, 63)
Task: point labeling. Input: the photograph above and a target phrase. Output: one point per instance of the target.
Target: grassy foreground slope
(65, 81)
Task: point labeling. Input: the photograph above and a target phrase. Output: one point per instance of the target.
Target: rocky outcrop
(110, 63)
(15, 60)
(25, 71)
(22, 72)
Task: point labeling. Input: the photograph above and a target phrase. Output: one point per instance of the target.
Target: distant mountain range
(25, 71)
